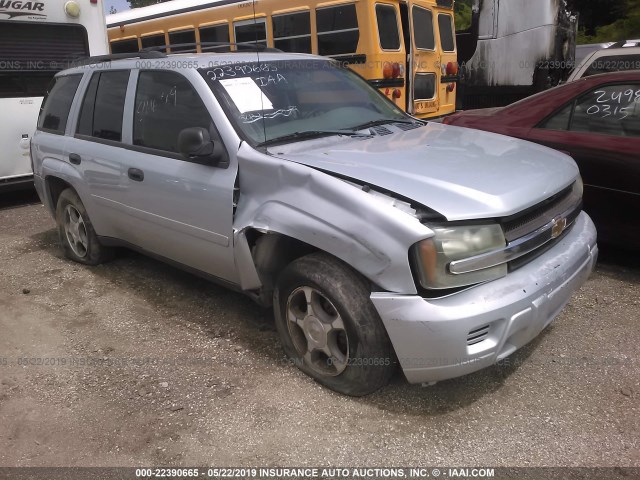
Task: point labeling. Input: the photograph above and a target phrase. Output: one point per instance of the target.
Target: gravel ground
(147, 365)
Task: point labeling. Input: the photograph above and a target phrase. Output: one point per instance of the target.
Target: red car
(596, 120)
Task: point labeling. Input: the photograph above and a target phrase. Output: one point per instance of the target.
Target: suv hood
(459, 172)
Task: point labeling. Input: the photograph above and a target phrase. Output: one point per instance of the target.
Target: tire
(329, 327)
(78, 238)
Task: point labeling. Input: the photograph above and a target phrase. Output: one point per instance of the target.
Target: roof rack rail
(159, 51)
(210, 46)
(143, 54)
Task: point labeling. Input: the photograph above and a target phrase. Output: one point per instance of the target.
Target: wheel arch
(54, 188)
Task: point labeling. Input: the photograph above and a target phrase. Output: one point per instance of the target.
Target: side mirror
(195, 143)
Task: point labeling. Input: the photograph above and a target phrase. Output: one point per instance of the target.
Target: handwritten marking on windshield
(254, 117)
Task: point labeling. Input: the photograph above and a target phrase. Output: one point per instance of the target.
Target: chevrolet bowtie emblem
(557, 226)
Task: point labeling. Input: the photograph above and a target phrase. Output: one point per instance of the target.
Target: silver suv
(378, 239)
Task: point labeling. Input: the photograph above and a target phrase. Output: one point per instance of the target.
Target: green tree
(594, 13)
(624, 25)
(463, 14)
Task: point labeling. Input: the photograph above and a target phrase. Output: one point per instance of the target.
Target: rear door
(426, 61)
(601, 131)
(97, 151)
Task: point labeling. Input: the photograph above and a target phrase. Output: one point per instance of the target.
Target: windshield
(269, 100)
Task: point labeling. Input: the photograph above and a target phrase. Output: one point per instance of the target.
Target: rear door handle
(136, 174)
(75, 158)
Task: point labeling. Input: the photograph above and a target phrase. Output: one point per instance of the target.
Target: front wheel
(330, 328)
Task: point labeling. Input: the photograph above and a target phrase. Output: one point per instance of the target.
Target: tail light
(451, 87)
(397, 93)
(452, 68)
(391, 70)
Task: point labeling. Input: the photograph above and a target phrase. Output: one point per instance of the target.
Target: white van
(613, 59)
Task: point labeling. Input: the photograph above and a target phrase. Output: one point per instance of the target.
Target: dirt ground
(135, 363)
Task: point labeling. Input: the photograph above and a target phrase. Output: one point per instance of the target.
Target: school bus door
(424, 63)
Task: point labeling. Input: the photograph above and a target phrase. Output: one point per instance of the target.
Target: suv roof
(187, 61)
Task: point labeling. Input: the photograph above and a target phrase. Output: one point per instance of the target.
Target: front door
(183, 209)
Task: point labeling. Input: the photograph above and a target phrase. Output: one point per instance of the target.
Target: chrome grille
(528, 232)
(533, 218)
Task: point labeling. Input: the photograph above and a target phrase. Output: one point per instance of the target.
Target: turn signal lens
(387, 70)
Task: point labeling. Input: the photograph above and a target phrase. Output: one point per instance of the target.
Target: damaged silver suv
(378, 239)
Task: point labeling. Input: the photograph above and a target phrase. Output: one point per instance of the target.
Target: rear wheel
(330, 328)
(78, 238)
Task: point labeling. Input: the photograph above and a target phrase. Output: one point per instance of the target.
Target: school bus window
(388, 27)
(337, 30)
(125, 46)
(447, 40)
(423, 28)
(251, 31)
(216, 33)
(154, 41)
(180, 37)
(292, 32)
(425, 86)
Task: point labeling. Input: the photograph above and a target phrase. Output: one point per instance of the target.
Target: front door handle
(136, 174)
(75, 158)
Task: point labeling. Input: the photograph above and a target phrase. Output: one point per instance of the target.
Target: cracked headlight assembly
(456, 242)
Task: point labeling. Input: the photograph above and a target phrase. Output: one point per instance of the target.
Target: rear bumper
(465, 332)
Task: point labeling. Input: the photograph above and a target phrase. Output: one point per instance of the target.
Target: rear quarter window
(56, 105)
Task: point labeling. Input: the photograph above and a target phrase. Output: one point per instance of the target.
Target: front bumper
(437, 339)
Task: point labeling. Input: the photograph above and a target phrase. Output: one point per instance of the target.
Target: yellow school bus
(405, 48)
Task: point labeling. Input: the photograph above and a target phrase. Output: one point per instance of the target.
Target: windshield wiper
(383, 121)
(311, 134)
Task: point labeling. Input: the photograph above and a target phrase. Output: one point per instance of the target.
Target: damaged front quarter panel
(310, 206)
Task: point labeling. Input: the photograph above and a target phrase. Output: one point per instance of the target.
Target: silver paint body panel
(185, 212)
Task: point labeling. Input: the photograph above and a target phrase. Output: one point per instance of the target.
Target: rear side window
(166, 103)
(125, 46)
(388, 27)
(154, 41)
(337, 30)
(55, 108)
(103, 106)
(251, 31)
(183, 37)
(423, 29)
(292, 32)
(215, 34)
(614, 63)
(445, 25)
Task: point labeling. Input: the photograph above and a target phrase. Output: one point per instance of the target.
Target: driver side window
(607, 110)
(166, 103)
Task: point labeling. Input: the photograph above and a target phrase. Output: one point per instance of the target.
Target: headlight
(451, 243)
